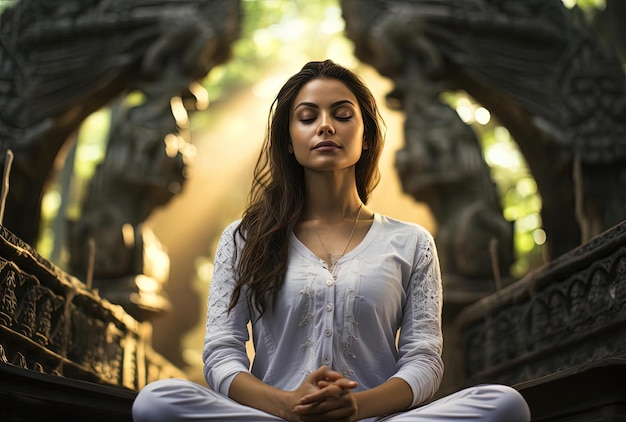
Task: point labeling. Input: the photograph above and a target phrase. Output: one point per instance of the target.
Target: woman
(326, 283)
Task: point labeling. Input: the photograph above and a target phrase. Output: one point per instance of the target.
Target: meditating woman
(344, 303)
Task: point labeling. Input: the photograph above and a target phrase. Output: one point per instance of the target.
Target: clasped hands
(325, 395)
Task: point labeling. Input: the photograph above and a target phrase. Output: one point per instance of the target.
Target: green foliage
(585, 5)
(5, 4)
(274, 32)
(520, 200)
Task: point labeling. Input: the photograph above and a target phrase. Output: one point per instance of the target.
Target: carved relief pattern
(54, 325)
(532, 331)
(130, 364)
(8, 300)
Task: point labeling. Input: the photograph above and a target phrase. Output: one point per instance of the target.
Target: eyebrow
(333, 105)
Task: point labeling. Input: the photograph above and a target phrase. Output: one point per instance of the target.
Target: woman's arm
(224, 353)
(420, 342)
(394, 395)
(250, 391)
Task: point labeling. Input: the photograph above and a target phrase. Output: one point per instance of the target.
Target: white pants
(177, 400)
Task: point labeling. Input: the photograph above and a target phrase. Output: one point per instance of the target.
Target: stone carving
(551, 320)
(26, 314)
(58, 327)
(540, 71)
(442, 165)
(144, 167)
(8, 299)
(59, 62)
(62, 61)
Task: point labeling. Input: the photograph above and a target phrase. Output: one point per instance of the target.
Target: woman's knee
(511, 405)
(157, 401)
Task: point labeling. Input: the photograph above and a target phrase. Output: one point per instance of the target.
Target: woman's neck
(330, 198)
(329, 211)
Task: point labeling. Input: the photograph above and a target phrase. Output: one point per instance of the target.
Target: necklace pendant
(332, 260)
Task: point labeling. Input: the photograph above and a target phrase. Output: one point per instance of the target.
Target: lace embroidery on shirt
(351, 324)
(219, 293)
(308, 317)
(307, 344)
(345, 348)
(346, 371)
(426, 291)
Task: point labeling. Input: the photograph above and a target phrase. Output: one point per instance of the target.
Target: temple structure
(78, 343)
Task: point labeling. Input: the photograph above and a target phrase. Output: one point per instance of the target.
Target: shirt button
(326, 361)
(328, 333)
(329, 307)
(329, 282)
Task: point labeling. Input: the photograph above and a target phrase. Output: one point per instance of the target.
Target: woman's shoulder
(411, 237)
(394, 225)
(232, 226)
(229, 230)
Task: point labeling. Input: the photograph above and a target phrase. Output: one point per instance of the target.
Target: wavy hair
(276, 198)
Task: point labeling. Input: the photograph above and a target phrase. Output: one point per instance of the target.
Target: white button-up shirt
(389, 283)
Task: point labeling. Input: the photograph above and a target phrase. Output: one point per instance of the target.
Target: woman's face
(326, 126)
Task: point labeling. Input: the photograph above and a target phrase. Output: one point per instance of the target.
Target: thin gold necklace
(332, 258)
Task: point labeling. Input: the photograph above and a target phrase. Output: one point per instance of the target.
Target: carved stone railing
(565, 317)
(52, 323)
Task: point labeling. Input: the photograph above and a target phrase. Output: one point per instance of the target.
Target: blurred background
(277, 38)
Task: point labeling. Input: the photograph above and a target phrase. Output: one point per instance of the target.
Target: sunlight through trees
(277, 37)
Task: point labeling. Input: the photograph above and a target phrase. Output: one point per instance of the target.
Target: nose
(326, 126)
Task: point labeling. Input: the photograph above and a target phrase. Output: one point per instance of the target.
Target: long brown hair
(277, 195)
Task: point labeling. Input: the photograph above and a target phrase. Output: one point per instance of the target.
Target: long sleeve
(224, 353)
(421, 342)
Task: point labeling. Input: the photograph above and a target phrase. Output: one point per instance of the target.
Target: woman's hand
(320, 397)
(331, 400)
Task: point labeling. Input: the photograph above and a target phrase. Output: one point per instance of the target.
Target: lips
(326, 144)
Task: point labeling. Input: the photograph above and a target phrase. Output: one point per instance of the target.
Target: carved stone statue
(144, 167)
(540, 71)
(442, 165)
(63, 60)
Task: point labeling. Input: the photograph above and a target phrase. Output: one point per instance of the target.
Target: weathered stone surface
(567, 315)
(51, 323)
(34, 396)
(62, 60)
